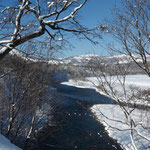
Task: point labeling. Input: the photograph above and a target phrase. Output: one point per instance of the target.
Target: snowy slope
(83, 60)
(91, 58)
(6, 145)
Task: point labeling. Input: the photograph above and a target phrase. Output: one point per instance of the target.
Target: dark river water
(76, 126)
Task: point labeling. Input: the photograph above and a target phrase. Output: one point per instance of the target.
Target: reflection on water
(83, 94)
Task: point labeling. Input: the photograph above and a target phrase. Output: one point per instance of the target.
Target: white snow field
(114, 119)
(142, 81)
(5, 144)
(115, 122)
(136, 82)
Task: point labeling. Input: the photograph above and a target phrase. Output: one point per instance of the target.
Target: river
(76, 126)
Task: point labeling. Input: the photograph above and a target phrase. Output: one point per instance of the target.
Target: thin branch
(18, 19)
(67, 17)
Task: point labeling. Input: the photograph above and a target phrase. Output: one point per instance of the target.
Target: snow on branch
(49, 14)
(18, 19)
(71, 15)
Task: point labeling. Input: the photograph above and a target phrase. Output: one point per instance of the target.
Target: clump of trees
(38, 28)
(130, 30)
(26, 99)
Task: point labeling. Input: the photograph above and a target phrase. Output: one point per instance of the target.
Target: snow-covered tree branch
(130, 30)
(27, 20)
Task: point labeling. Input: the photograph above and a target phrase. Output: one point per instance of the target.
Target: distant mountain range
(94, 59)
(109, 62)
(86, 59)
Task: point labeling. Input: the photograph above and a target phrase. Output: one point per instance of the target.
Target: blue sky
(92, 14)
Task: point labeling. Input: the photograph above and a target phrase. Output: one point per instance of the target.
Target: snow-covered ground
(114, 119)
(134, 82)
(142, 81)
(118, 126)
(6, 145)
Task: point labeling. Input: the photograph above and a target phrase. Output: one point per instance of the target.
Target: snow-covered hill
(83, 64)
(84, 60)
(108, 63)
(91, 58)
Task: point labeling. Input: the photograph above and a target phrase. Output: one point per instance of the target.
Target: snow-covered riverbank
(118, 128)
(114, 119)
(132, 82)
(5, 144)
